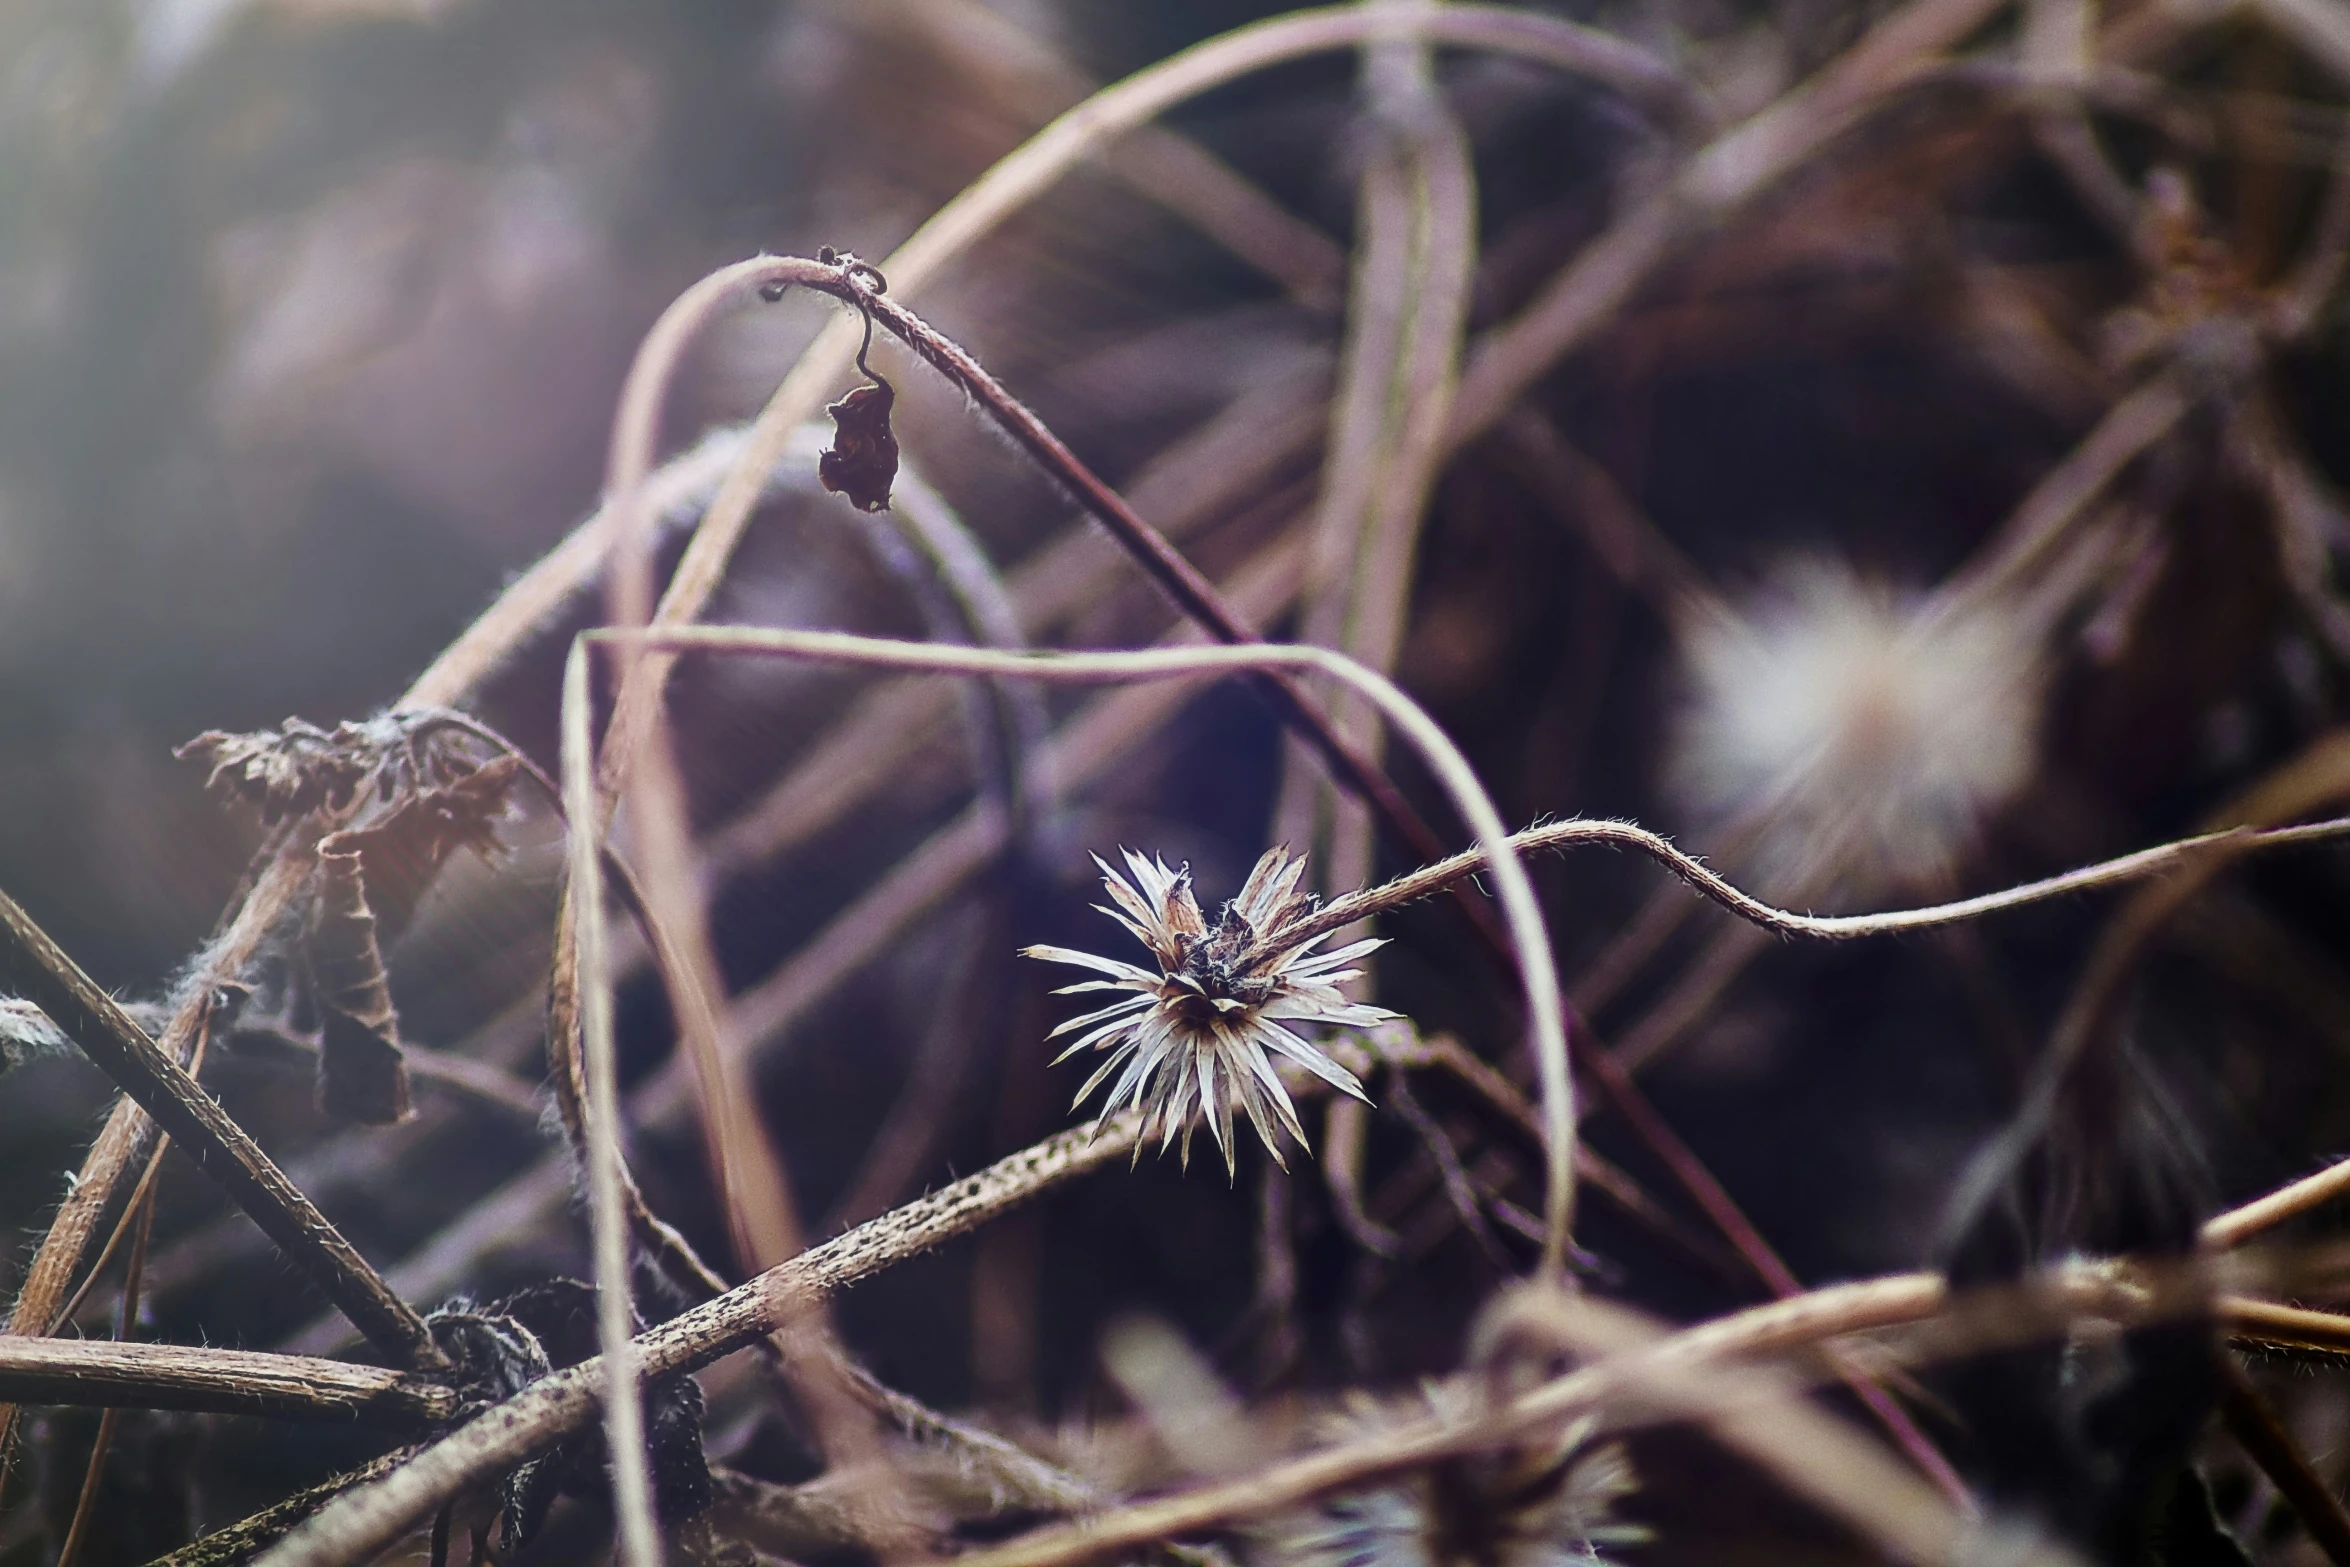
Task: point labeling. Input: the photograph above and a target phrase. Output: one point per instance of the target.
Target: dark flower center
(1211, 962)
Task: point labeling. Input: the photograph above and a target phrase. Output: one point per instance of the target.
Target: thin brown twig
(1175, 575)
(126, 1317)
(363, 1521)
(1733, 169)
(2042, 520)
(2263, 1436)
(636, 762)
(1693, 997)
(2269, 1325)
(2137, 866)
(754, 1188)
(129, 1135)
(1765, 1417)
(352, 1161)
(114, 1239)
(221, 1148)
(1939, 1326)
(1810, 1319)
(1758, 1254)
(2316, 779)
(451, 1072)
(1408, 306)
(1240, 452)
(2233, 1228)
(119, 1374)
(1020, 176)
(1448, 1054)
(1028, 77)
(532, 602)
(1530, 940)
(240, 1541)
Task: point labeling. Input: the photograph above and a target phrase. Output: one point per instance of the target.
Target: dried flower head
(1547, 1503)
(1868, 735)
(1201, 1031)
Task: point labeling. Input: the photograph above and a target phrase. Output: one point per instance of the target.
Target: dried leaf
(299, 768)
(403, 850)
(295, 770)
(361, 1076)
(862, 461)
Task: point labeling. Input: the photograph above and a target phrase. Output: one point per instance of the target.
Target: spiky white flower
(1202, 1030)
(1544, 1504)
(1862, 737)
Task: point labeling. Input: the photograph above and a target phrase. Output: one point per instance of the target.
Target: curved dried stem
(624, 1410)
(1081, 751)
(1537, 971)
(2138, 866)
(755, 1190)
(1019, 178)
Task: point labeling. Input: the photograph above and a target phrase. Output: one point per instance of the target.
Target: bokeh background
(312, 318)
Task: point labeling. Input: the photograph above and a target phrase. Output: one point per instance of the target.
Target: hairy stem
(221, 1148)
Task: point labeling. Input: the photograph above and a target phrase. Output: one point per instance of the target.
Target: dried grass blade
(624, 1413)
(1414, 266)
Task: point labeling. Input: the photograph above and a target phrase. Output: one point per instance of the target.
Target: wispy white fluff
(1863, 736)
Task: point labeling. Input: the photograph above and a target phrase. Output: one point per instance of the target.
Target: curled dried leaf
(361, 1074)
(298, 767)
(292, 771)
(862, 462)
(403, 850)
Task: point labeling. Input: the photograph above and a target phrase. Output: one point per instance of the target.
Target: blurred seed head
(1853, 736)
(1547, 1503)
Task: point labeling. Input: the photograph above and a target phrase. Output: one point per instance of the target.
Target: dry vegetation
(1888, 451)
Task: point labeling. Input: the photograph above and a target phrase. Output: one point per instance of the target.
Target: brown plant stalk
(1537, 971)
(367, 1518)
(220, 1148)
(118, 1375)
